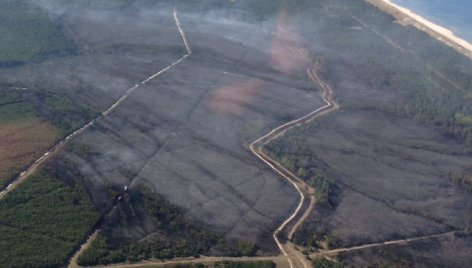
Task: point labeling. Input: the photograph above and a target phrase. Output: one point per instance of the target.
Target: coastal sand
(406, 16)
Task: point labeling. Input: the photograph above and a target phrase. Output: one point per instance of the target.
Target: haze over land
(321, 131)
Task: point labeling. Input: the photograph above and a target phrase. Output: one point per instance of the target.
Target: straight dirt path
(278, 260)
(33, 167)
(91, 238)
(291, 254)
(83, 247)
(381, 244)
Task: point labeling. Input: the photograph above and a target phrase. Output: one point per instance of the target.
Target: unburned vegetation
(31, 122)
(43, 221)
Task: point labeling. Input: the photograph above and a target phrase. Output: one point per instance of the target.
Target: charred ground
(405, 120)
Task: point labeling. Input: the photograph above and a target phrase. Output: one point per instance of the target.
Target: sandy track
(91, 238)
(294, 257)
(83, 247)
(380, 244)
(279, 261)
(33, 167)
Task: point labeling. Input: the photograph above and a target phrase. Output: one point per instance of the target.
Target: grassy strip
(43, 221)
(322, 262)
(15, 112)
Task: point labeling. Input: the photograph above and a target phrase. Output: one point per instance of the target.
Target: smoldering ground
(183, 135)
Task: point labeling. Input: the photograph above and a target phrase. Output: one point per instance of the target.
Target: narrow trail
(381, 244)
(83, 247)
(279, 261)
(33, 167)
(294, 257)
(91, 238)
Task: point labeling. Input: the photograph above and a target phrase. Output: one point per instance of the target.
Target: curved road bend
(33, 167)
(294, 257)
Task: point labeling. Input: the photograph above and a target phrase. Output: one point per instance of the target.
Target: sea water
(455, 15)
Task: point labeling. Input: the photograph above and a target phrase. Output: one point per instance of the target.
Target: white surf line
(279, 131)
(32, 168)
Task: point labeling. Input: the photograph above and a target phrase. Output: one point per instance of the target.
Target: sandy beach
(407, 17)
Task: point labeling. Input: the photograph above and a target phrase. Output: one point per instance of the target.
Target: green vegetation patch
(28, 34)
(43, 221)
(67, 116)
(323, 186)
(294, 154)
(13, 108)
(322, 262)
(18, 105)
(14, 112)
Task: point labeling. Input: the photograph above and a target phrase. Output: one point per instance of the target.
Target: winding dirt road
(294, 256)
(289, 250)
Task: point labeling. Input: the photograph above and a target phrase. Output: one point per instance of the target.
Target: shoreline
(406, 17)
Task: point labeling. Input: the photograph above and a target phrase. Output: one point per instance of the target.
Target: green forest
(43, 221)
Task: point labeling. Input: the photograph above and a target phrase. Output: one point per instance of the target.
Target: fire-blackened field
(389, 179)
(171, 99)
(391, 164)
(183, 134)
